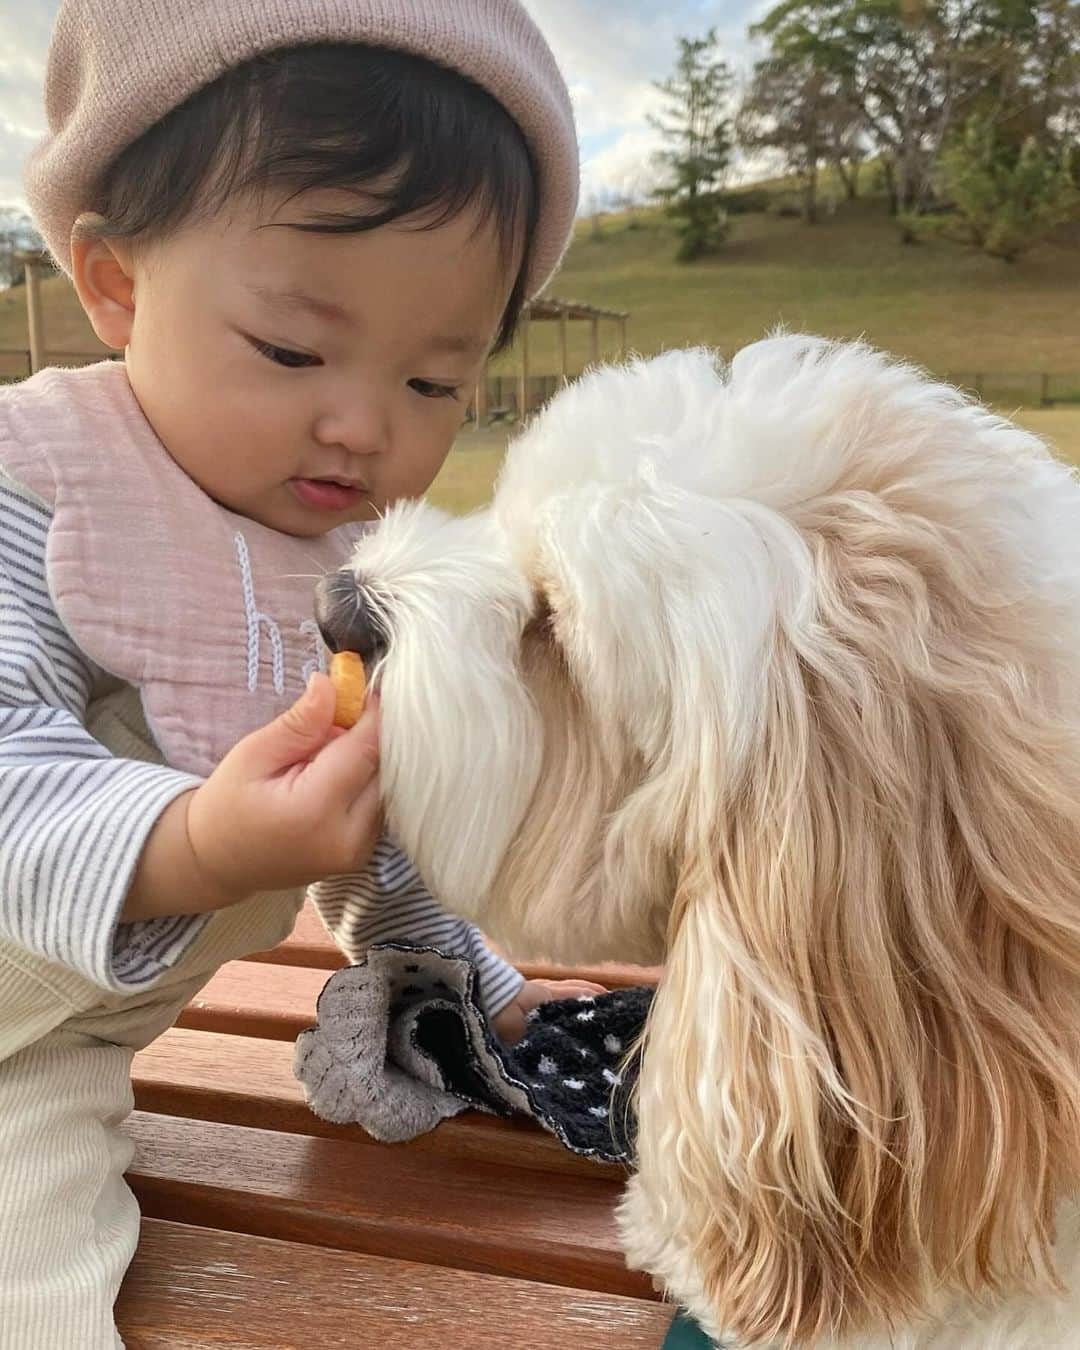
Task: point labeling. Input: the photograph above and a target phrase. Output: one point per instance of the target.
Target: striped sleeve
(389, 903)
(73, 819)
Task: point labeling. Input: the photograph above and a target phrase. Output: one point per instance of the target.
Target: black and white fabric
(401, 1043)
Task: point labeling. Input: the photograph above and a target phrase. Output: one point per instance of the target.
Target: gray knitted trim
(401, 1043)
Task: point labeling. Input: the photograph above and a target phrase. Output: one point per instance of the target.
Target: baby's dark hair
(412, 138)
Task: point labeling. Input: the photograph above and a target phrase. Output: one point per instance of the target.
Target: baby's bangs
(414, 141)
(406, 138)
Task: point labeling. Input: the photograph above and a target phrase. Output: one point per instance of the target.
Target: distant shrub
(746, 202)
(1003, 198)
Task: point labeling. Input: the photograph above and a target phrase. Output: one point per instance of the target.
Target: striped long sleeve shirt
(74, 818)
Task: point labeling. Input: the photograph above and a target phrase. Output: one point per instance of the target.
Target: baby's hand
(509, 1023)
(296, 801)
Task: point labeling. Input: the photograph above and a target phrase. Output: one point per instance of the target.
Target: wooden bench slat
(249, 998)
(195, 1289)
(246, 999)
(478, 1216)
(311, 945)
(242, 1080)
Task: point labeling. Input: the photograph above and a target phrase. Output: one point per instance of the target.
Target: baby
(306, 224)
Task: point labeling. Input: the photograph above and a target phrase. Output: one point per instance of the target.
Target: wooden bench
(267, 1227)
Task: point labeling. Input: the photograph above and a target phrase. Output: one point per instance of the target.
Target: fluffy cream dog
(771, 672)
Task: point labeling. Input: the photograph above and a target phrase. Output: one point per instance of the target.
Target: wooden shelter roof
(550, 307)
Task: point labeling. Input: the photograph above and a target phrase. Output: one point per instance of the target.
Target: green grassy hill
(950, 309)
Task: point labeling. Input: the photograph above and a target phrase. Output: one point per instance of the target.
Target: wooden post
(1044, 390)
(523, 378)
(595, 340)
(32, 264)
(564, 324)
(622, 338)
(480, 401)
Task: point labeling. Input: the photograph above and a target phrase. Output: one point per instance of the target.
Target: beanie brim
(116, 67)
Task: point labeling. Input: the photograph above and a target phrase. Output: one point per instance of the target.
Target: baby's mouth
(327, 494)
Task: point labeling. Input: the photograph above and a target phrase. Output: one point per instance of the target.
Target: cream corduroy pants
(68, 1220)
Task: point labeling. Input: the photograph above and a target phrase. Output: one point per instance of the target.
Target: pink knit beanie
(116, 67)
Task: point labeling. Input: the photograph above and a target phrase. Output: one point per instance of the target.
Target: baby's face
(304, 380)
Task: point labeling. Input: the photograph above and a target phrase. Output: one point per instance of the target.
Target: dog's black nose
(345, 618)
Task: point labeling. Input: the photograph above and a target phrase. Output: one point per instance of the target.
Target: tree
(796, 107)
(1032, 60)
(1056, 65)
(1007, 171)
(697, 127)
(915, 71)
(901, 66)
(847, 147)
(1004, 198)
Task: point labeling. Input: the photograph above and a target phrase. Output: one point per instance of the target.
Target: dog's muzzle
(345, 618)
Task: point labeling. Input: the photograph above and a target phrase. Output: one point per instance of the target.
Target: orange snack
(347, 673)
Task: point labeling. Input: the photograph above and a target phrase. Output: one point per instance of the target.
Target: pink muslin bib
(208, 614)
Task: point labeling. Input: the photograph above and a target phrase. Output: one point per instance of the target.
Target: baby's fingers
(576, 988)
(534, 992)
(346, 766)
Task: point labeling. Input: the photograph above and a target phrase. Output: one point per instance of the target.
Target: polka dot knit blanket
(400, 1043)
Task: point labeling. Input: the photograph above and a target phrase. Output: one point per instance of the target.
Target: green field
(950, 309)
(1059, 427)
(468, 475)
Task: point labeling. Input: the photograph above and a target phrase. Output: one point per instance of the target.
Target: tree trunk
(890, 185)
(810, 204)
(849, 176)
(903, 183)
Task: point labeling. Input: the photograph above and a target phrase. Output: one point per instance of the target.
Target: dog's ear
(859, 1082)
(740, 1107)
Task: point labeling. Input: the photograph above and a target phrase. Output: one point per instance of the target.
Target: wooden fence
(1020, 388)
(15, 361)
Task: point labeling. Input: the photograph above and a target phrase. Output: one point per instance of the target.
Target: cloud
(626, 170)
(24, 39)
(611, 52)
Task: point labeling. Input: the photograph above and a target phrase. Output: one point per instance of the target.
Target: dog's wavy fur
(772, 672)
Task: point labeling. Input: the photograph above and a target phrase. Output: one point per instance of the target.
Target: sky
(610, 52)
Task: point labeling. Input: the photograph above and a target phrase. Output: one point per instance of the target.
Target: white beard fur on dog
(771, 671)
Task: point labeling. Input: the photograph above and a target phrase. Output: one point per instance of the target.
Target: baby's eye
(285, 356)
(428, 389)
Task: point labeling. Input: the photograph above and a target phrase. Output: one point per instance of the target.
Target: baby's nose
(345, 618)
